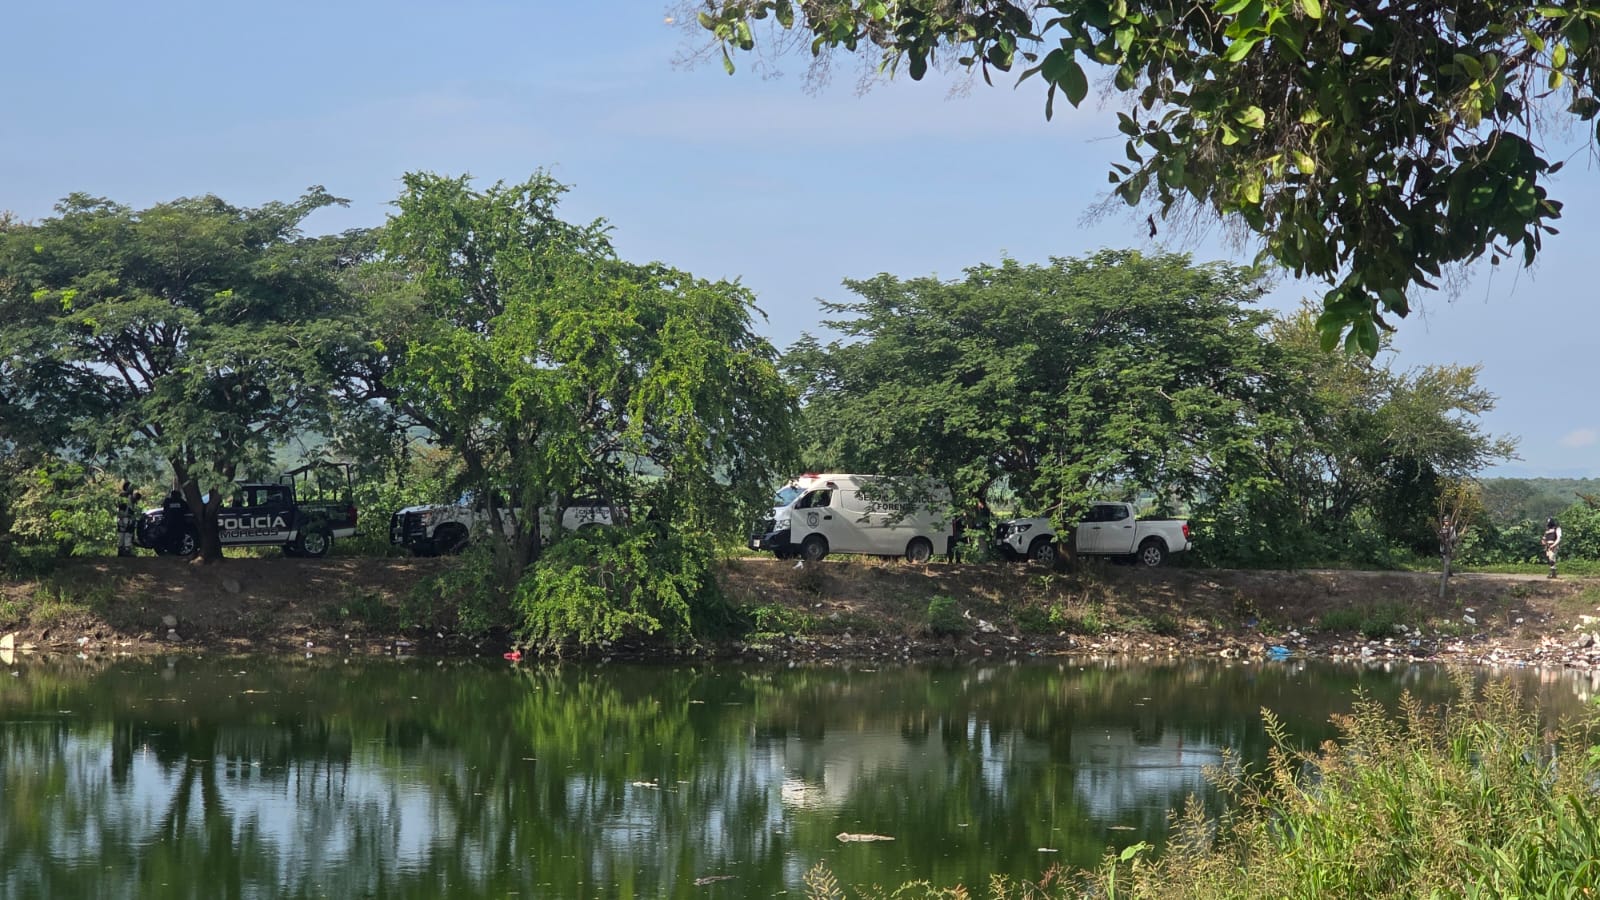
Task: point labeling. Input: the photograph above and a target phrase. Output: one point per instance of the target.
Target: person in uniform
(172, 511)
(127, 515)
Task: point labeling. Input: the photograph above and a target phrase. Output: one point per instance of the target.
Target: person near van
(1550, 541)
(952, 544)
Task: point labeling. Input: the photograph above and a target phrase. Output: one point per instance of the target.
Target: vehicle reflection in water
(255, 777)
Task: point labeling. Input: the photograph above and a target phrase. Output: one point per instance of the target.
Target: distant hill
(1512, 500)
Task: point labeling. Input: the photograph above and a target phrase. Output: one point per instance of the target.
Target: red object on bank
(514, 655)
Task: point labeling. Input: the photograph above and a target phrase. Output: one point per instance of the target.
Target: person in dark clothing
(1550, 541)
(958, 532)
(172, 512)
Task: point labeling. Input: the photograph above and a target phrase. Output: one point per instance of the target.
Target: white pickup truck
(1109, 529)
(441, 529)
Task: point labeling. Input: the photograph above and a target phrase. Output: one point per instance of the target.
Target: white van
(881, 515)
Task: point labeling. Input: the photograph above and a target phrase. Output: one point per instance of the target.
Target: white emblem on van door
(812, 519)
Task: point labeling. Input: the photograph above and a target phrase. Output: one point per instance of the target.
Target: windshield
(786, 496)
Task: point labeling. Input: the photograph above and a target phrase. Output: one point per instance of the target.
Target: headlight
(1022, 527)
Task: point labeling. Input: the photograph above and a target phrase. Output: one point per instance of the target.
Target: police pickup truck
(260, 514)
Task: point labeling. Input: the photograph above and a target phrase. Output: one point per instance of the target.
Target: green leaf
(1312, 8)
(1470, 65)
(1239, 49)
(1074, 83)
(1251, 117)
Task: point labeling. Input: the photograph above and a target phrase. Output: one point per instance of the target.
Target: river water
(257, 777)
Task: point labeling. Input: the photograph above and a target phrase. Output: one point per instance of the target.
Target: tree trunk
(1444, 577)
(205, 518)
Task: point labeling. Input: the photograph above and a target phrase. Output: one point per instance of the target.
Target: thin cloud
(1582, 437)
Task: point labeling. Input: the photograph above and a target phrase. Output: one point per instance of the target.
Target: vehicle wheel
(1152, 553)
(450, 539)
(188, 545)
(1042, 550)
(813, 548)
(314, 543)
(920, 550)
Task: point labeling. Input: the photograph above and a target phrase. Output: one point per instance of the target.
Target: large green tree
(1370, 145)
(552, 367)
(194, 330)
(1063, 379)
(1358, 473)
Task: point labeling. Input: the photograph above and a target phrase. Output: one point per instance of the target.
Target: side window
(1114, 512)
(815, 500)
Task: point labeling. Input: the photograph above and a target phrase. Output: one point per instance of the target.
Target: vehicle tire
(919, 551)
(813, 548)
(1151, 553)
(188, 545)
(449, 540)
(290, 550)
(1042, 550)
(314, 543)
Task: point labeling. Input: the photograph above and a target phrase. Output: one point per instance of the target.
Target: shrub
(773, 619)
(66, 510)
(1086, 620)
(944, 619)
(1036, 620)
(606, 583)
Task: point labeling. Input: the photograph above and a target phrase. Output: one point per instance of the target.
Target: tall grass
(1471, 799)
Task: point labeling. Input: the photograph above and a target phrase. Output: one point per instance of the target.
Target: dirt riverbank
(860, 609)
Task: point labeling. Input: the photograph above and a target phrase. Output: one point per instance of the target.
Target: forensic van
(881, 515)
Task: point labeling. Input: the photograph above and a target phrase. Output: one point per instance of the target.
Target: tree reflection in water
(256, 777)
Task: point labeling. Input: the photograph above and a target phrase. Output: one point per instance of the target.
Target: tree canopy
(1357, 461)
(553, 368)
(194, 330)
(1065, 379)
(1370, 145)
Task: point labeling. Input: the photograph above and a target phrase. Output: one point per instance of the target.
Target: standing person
(126, 516)
(172, 512)
(958, 531)
(1551, 540)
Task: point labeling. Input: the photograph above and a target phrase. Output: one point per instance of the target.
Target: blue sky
(748, 177)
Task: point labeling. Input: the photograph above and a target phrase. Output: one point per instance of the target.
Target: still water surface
(265, 778)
